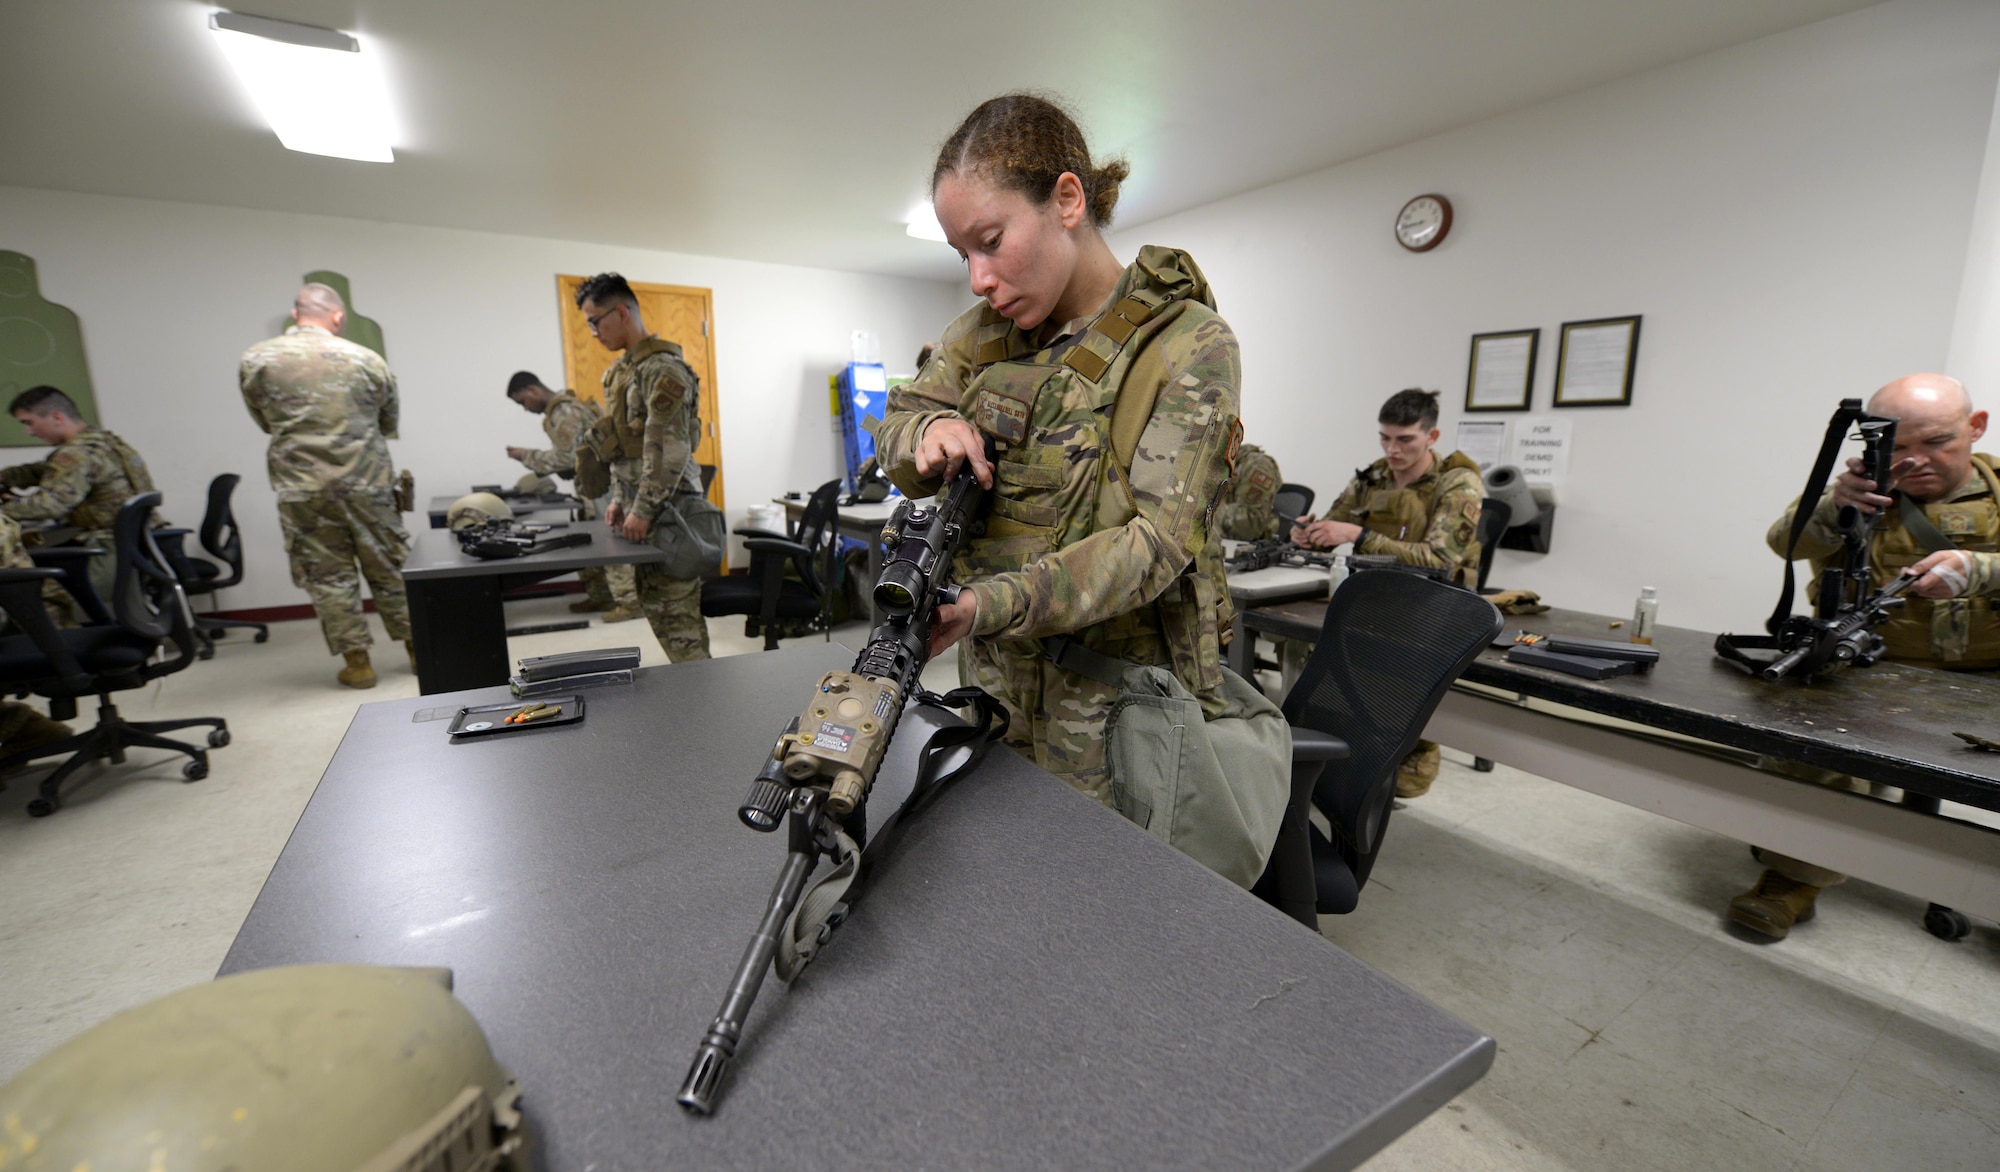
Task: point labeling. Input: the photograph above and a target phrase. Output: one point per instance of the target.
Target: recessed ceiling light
(924, 224)
(316, 87)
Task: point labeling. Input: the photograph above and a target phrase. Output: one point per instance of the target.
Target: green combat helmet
(311, 1068)
(476, 508)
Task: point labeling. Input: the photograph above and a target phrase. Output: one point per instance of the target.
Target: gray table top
(434, 553)
(1031, 981)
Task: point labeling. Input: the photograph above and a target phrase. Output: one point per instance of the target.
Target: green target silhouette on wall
(41, 343)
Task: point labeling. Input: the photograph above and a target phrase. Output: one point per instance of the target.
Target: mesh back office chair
(1391, 644)
(765, 596)
(1292, 502)
(150, 611)
(1494, 517)
(223, 540)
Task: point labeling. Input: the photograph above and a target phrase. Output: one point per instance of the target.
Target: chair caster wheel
(218, 738)
(41, 808)
(261, 637)
(205, 653)
(1940, 921)
(195, 770)
(219, 634)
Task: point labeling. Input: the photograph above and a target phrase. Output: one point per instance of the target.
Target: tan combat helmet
(535, 484)
(476, 508)
(311, 1068)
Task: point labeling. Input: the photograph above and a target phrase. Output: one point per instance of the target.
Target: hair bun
(1104, 182)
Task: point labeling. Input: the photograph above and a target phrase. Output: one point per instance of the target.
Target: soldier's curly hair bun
(1025, 142)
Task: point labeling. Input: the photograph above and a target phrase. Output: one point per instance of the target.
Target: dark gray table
(457, 622)
(1892, 723)
(1031, 982)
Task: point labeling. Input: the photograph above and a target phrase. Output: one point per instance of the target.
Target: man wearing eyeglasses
(646, 442)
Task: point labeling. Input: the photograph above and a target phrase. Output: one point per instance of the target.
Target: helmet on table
(314, 1068)
(476, 508)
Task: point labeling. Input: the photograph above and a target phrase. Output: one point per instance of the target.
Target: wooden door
(678, 314)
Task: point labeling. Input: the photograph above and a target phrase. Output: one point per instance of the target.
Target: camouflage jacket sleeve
(24, 475)
(667, 386)
(1983, 578)
(1820, 539)
(246, 380)
(1178, 473)
(65, 483)
(934, 394)
(1246, 512)
(565, 424)
(1453, 529)
(390, 416)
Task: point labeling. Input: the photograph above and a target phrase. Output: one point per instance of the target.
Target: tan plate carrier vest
(1404, 514)
(1052, 486)
(1960, 633)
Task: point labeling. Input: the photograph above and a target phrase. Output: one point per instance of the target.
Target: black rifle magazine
(1585, 666)
(485, 720)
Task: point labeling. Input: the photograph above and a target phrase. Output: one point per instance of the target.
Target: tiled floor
(1636, 1032)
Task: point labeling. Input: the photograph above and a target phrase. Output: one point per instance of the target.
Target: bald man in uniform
(330, 408)
(1940, 521)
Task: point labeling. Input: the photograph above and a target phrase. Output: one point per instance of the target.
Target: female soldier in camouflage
(1110, 393)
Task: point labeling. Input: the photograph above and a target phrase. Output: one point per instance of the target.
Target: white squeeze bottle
(1645, 615)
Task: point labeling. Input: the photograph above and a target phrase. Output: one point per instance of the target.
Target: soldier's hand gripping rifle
(1275, 551)
(1847, 607)
(817, 777)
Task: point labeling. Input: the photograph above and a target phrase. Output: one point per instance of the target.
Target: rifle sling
(1829, 449)
(1919, 524)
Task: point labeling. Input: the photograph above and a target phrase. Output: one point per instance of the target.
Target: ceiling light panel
(319, 89)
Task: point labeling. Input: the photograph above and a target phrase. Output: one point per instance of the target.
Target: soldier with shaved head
(1940, 522)
(330, 408)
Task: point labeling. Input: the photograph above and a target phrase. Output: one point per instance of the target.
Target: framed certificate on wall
(1595, 364)
(1501, 373)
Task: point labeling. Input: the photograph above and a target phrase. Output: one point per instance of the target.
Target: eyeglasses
(600, 317)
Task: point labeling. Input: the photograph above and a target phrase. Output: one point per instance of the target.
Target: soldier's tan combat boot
(622, 614)
(1774, 905)
(1418, 770)
(410, 649)
(589, 605)
(358, 673)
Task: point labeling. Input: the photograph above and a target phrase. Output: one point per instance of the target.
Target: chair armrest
(777, 545)
(72, 562)
(21, 598)
(746, 532)
(1312, 745)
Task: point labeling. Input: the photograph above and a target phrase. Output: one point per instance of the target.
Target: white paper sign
(1541, 448)
(1483, 440)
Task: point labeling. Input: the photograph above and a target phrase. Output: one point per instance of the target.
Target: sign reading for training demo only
(1541, 448)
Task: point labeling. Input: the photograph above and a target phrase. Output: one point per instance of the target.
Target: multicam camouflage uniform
(651, 423)
(1958, 634)
(566, 421)
(1434, 522)
(17, 718)
(329, 406)
(1128, 567)
(83, 483)
(1247, 512)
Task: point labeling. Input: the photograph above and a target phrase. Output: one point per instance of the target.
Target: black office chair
(150, 610)
(223, 540)
(1494, 517)
(769, 600)
(1391, 644)
(1292, 502)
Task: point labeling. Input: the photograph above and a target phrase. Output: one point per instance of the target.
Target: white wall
(170, 294)
(1790, 215)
